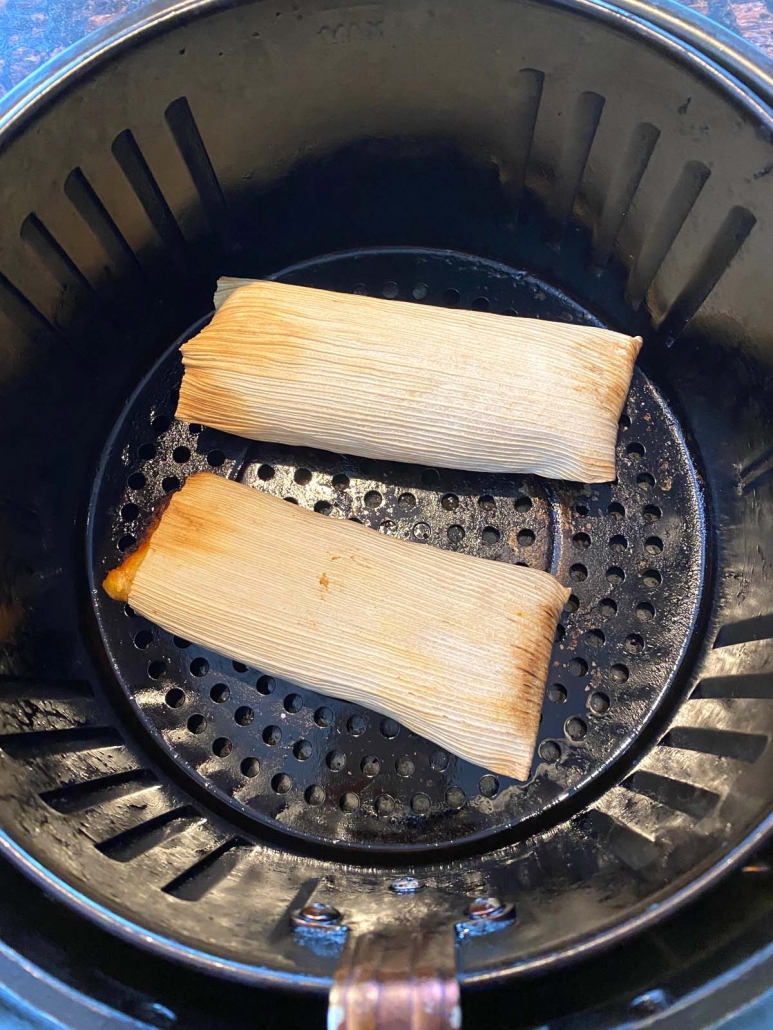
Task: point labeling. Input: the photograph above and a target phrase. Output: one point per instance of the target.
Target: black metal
(389, 136)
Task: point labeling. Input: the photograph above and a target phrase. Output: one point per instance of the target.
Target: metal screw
(489, 908)
(316, 914)
(405, 885)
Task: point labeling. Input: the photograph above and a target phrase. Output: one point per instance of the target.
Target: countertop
(31, 31)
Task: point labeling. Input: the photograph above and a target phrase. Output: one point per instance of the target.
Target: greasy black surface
(631, 551)
(645, 197)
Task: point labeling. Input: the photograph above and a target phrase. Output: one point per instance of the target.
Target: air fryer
(551, 160)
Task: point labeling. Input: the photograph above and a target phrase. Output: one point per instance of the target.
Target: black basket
(557, 161)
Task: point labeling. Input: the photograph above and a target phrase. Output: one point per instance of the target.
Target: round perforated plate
(632, 551)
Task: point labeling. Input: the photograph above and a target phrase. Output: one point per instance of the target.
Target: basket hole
(238, 667)
(293, 703)
(578, 667)
(525, 537)
(250, 767)
(314, 795)
(619, 673)
(581, 540)
(406, 501)
(481, 304)
(349, 802)
(523, 504)
(373, 499)
(451, 298)
(136, 481)
(357, 725)
(222, 747)
(266, 685)
(455, 797)
(281, 783)
(490, 535)
(420, 291)
(129, 512)
(578, 573)
(220, 693)
(175, 698)
(147, 451)
(199, 667)
(549, 751)
(653, 545)
(607, 607)
(559, 634)
(624, 421)
(595, 638)
(302, 476)
(489, 786)
(170, 483)
(385, 804)
(126, 542)
(487, 502)
(634, 643)
(160, 424)
(618, 543)
(197, 724)
(615, 575)
(294, 500)
(421, 531)
(430, 477)
(420, 804)
(438, 760)
(572, 604)
(216, 458)
(645, 611)
(143, 639)
(303, 750)
(651, 578)
(389, 728)
(194, 427)
(575, 728)
(404, 766)
(360, 289)
(181, 455)
(323, 717)
(336, 761)
(370, 766)
(390, 290)
(616, 511)
(651, 513)
(449, 502)
(244, 715)
(557, 693)
(455, 534)
(322, 507)
(645, 480)
(599, 703)
(635, 450)
(156, 669)
(272, 735)
(340, 481)
(266, 472)
(582, 510)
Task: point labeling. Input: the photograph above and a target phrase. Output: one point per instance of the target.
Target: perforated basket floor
(632, 552)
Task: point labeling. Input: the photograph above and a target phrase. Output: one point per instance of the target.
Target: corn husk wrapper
(453, 647)
(409, 382)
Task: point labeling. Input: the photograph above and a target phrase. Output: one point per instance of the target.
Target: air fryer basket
(549, 160)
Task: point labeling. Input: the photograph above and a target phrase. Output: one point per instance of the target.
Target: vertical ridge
(87, 203)
(666, 228)
(530, 82)
(182, 125)
(638, 153)
(713, 263)
(577, 147)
